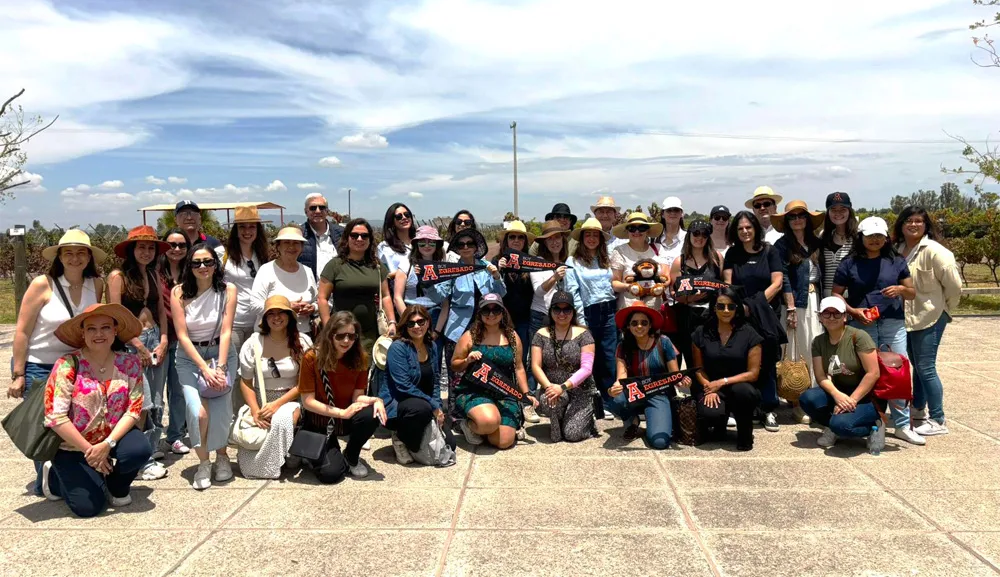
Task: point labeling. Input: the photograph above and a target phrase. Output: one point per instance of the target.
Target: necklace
(102, 367)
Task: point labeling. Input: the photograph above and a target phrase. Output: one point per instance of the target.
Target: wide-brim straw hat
(127, 326)
(762, 192)
(589, 224)
(380, 351)
(604, 202)
(475, 235)
(655, 228)
(75, 237)
(551, 228)
(141, 233)
(245, 214)
(778, 220)
(290, 233)
(655, 318)
(516, 226)
(276, 303)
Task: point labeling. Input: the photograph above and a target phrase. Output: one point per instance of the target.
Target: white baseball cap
(835, 303)
(672, 202)
(873, 225)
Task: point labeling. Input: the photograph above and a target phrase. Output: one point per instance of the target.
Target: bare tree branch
(9, 100)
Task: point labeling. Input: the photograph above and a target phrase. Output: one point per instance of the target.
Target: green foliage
(210, 224)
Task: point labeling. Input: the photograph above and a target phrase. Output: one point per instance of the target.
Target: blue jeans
(922, 347)
(152, 389)
(601, 322)
(35, 374)
(175, 397)
(819, 406)
(522, 327)
(538, 320)
(83, 487)
(890, 333)
(219, 409)
(659, 422)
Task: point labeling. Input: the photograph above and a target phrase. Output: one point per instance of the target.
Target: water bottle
(876, 440)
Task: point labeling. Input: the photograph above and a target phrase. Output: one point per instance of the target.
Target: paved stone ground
(593, 508)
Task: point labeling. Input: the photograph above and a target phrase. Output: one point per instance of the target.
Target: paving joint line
(442, 561)
(975, 430)
(688, 520)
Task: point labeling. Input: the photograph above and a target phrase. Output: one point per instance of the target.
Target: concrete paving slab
(939, 474)
(385, 472)
(986, 422)
(611, 472)
(971, 510)
(986, 545)
(690, 475)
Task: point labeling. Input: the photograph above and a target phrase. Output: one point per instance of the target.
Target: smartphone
(156, 361)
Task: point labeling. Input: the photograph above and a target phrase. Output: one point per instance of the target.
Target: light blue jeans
(923, 348)
(219, 409)
(175, 397)
(152, 389)
(890, 333)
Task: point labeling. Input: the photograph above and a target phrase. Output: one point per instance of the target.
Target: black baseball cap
(720, 209)
(838, 199)
(561, 298)
(186, 205)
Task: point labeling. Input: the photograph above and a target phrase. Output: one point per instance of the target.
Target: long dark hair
(451, 225)
(734, 236)
(189, 285)
(708, 252)
(292, 331)
(858, 250)
(478, 328)
(601, 252)
(354, 359)
(132, 275)
(739, 319)
(930, 231)
(402, 333)
(56, 269)
(850, 228)
(234, 251)
(629, 345)
(543, 249)
(795, 252)
(344, 251)
(389, 227)
(550, 322)
(163, 264)
(438, 252)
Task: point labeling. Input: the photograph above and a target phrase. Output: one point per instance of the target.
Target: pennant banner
(692, 285)
(524, 262)
(638, 389)
(486, 375)
(438, 271)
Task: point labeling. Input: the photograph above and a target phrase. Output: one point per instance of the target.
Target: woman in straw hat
(245, 251)
(273, 354)
(640, 232)
(608, 213)
(135, 287)
(93, 400)
(71, 285)
(519, 290)
(286, 276)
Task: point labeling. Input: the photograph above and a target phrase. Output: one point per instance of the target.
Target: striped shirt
(831, 260)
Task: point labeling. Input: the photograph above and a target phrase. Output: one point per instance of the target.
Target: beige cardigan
(938, 282)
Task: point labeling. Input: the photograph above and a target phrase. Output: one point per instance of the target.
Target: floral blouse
(93, 406)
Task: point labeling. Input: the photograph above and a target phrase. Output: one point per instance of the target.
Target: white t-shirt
(287, 367)
(242, 278)
(622, 259)
(272, 280)
(325, 249)
(392, 260)
(771, 236)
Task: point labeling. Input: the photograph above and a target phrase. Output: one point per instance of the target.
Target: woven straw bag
(793, 373)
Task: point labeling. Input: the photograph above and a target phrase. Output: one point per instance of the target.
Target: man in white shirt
(321, 235)
(764, 203)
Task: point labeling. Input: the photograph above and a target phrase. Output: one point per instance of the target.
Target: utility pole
(349, 202)
(513, 126)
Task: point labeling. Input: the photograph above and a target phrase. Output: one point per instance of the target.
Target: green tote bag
(25, 425)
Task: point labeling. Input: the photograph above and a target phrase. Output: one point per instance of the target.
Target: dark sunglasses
(796, 216)
(700, 234)
(201, 263)
(178, 245)
(317, 208)
(466, 244)
(416, 323)
(725, 307)
(562, 310)
(492, 311)
(720, 218)
(561, 216)
(359, 235)
(637, 228)
(402, 216)
(273, 365)
(830, 316)
(464, 222)
(675, 210)
(639, 323)
(253, 269)
(350, 337)
(761, 205)
(511, 237)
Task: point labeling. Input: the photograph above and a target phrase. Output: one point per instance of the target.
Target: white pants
(802, 336)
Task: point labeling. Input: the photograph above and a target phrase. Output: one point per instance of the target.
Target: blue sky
(411, 101)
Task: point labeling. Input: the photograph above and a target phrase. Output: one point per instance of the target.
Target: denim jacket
(796, 277)
(461, 295)
(401, 376)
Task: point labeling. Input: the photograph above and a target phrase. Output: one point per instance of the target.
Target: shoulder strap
(327, 388)
(222, 312)
(62, 295)
(258, 352)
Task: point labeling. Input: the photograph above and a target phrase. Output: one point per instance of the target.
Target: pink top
(92, 405)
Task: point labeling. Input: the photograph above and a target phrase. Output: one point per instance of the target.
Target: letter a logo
(515, 261)
(633, 392)
(483, 374)
(685, 285)
(430, 273)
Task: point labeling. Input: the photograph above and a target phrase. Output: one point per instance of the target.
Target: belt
(209, 343)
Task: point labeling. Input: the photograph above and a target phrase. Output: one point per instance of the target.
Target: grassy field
(979, 275)
(6, 302)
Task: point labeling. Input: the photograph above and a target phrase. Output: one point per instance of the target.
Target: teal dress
(468, 397)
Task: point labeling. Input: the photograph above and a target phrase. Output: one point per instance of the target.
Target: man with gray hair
(321, 235)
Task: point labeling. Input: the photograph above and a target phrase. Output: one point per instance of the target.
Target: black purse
(312, 444)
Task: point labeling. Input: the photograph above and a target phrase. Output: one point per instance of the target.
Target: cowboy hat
(380, 350)
(655, 318)
(246, 214)
(563, 209)
(75, 237)
(551, 228)
(516, 226)
(141, 233)
(655, 228)
(605, 202)
(475, 235)
(761, 193)
(589, 224)
(127, 327)
(778, 220)
(290, 233)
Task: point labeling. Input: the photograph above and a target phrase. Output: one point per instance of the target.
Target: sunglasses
(831, 316)
(317, 208)
(426, 244)
(253, 269)
(796, 216)
(402, 216)
(492, 311)
(637, 228)
(639, 324)
(466, 244)
(464, 222)
(700, 234)
(202, 263)
(273, 365)
(178, 245)
(675, 210)
(725, 307)
(720, 218)
(562, 310)
(511, 237)
(561, 216)
(415, 323)
(359, 236)
(762, 205)
(346, 337)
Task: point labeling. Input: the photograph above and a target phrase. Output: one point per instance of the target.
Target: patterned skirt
(266, 463)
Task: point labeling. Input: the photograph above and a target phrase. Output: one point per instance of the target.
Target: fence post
(20, 266)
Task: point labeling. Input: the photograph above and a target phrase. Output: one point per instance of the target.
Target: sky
(411, 101)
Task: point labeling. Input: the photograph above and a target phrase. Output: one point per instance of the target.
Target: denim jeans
(922, 347)
(84, 488)
(890, 333)
(218, 409)
(659, 421)
(152, 389)
(601, 322)
(175, 397)
(35, 374)
(818, 404)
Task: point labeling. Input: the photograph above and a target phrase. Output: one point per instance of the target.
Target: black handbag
(25, 425)
(308, 445)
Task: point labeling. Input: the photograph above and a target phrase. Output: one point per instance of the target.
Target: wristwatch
(564, 387)
(111, 442)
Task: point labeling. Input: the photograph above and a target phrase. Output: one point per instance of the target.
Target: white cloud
(838, 171)
(309, 186)
(153, 180)
(176, 180)
(329, 162)
(276, 186)
(111, 184)
(233, 189)
(82, 187)
(414, 195)
(32, 182)
(70, 193)
(363, 140)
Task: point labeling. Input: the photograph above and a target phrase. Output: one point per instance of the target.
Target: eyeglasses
(203, 263)
(346, 337)
(178, 245)
(637, 228)
(831, 315)
(492, 311)
(359, 236)
(725, 307)
(415, 323)
(466, 244)
(187, 214)
(720, 218)
(675, 210)
(915, 222)
(253, 268)
(426, 244)
(796, 216)
(464, 222)
(763, 205)
(562, 310)
(317, 208)
(402, 216)
(639, 324)
(513, 237)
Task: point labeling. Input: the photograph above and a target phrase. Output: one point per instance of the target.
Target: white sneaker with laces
(120, 501)
(403, 456)
(367, 446)
(801, 416)
(223, 470)
(521, 434)
(931, 428)
(530, 415)
(909, 435)
(179, 448)
(203, 476)
(771, 422)
(827, 439)
(471, 437)
(918, 414)
(608, 416)
(46, 471)
(153, 471)
(359, 471)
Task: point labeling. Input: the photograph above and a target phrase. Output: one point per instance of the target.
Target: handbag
(434, 449)
(380, 316)
(204, 389)
(793, 373)
(245, 433)
(687, 420)
(311, 445)
(25, 425)
(893, 377)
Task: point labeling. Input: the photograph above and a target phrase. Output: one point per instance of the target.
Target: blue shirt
(594, 283)
(865, 278)
(461, 295)
(412, 296)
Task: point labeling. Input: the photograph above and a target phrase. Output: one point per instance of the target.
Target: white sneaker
(931, 428)
(179, 448)
(909, 435)
(471, 437)
(153, 471)
(367, 446)
(771, 422)
(403, 456)
(801, 416)
(827, 439)
(46, 471)
(530, 415)
(359, 471)
(203, 476)
(731, 423)
(223, 470)
(918, 414)
(120, 501)
(608, 415)
(521, 434)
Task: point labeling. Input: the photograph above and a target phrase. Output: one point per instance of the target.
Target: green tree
(967, 250)
(15, 132)
(210, 224)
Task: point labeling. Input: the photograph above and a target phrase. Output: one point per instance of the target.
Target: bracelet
(392, 322)
(725, 380)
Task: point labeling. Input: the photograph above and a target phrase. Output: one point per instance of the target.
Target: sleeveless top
(706, 271)
(135, 305)
(201, 315)
(43, 346)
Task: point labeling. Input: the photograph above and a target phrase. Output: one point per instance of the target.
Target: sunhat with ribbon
(127, 327)
(622, 316)
(605, 202)
(141, 233)
(815, 218)
(589, 224)
(551, 228)
(290, 233)
(763, 193)
(516, 227)
(246, 214)
(75, 237)
(655, 228)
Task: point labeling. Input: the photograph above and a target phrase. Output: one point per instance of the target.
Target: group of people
(280, 349)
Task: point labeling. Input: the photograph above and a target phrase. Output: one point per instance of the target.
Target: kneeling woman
(332, 382)
(846, 367)
(93, 399)
(562, 359)
(643, 352)
(274, 355)
(412, 390)
(492, 337)
(728, 351)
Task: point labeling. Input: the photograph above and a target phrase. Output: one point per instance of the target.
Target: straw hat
(516, 226)
(551, 228)
(75, 237)
(655, 228)
(761, 193)
(655, 318)
(380, 351)
(276, 303)
(290, 233)
(589, 224)
(246, 214)
(778, 220)
(605, 202)
(127, 326)
(137, 234)
(471, 233)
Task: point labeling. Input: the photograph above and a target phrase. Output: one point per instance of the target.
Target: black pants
(740, 399)
(688, 318)
(333, 466)
(412, 416)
